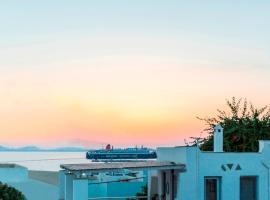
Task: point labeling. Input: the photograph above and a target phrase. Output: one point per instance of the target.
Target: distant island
(34, 148)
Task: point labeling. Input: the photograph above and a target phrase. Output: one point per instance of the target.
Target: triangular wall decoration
(223, 168)
(230, 166)
(238, 167)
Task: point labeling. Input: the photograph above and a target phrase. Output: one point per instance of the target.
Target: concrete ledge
(45, 176)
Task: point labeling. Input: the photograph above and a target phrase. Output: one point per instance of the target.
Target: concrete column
(149, 185)
(160, 182)
(168, 185)
(266, 164)
(152, 184)
(80, 189)
(69, 186)
(61, 179)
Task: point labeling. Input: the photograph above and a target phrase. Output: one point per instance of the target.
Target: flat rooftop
(95, 167)
(10, 165)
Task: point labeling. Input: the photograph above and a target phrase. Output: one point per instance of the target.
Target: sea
(43, 161)
(51, 161)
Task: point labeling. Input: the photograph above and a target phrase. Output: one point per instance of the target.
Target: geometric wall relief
(238, 167)
(230, 166)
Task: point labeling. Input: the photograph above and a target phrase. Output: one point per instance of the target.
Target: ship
(111, 154)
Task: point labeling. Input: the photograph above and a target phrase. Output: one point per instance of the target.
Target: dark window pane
(211, 190)
(164, 183)
(248, 187)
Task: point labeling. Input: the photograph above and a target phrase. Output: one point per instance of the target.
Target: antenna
(196, 141)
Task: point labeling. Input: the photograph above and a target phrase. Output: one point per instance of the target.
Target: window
(212, 188)
(248, 188)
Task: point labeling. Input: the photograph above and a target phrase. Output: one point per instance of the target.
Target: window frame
(256, 178)
(218, 186)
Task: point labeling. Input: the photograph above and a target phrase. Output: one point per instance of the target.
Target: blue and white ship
(111, 154)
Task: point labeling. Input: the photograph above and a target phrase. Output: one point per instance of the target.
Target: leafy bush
(243, 126)
(10, 193)
(141, 195)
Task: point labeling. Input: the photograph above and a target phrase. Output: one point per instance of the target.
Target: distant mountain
(2, 148)
(34, 148)
(28, 148)
(68, 149)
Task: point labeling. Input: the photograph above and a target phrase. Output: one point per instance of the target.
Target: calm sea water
(47, 161)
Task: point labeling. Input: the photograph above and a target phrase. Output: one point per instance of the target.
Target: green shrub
(244, 125)
(10, 193)
(141, 195)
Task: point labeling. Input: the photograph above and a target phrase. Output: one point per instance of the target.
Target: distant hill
(34, 148)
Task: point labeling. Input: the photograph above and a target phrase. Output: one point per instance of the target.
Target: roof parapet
(264, 145)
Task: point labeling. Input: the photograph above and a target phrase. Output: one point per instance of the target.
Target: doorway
(212, 188)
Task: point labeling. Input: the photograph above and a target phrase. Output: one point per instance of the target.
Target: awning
(102, 167)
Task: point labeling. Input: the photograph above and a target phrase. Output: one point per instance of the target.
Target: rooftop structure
(10, 172)
(187, 173)
(74, 178)
(10, 165)
(26, 181)
(215, 175)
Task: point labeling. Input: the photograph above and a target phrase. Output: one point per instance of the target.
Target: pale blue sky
(218, 27)
(135, 66)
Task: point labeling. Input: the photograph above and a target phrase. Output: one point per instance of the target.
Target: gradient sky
(126, 71)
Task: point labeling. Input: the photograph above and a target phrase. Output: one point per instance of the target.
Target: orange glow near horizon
(136, 73)
(124, 108)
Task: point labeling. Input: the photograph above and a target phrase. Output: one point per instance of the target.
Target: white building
(12, 173)
(74, 179)
(33, 184)
(213, 175)
(186, 173)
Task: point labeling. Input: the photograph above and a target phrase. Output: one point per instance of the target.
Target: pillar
(69, 186)
(61, 179)
(80, 189)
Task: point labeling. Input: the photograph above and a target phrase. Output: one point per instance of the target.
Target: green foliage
(141, 194)
(10, 193)
(243, 126)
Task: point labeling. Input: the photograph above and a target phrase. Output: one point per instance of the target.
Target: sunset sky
(126, 72)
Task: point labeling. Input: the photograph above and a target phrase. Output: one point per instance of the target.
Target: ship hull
(114, 156)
